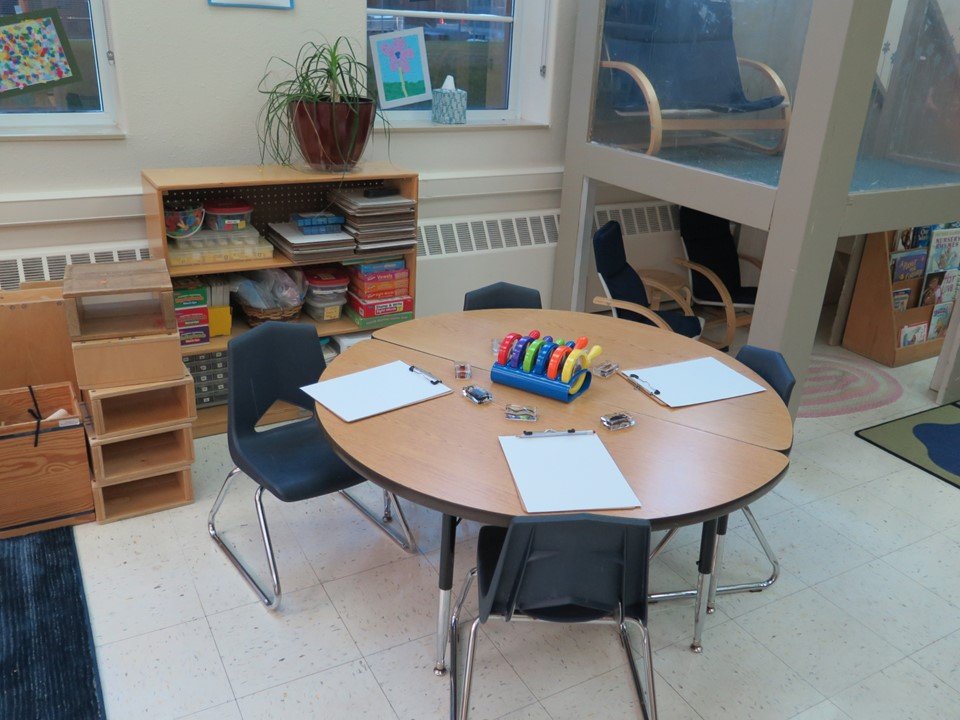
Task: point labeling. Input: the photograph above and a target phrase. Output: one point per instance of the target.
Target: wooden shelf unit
(141, 455)
(120, 411)
(873, 326)
(275, 193)
(138, 497)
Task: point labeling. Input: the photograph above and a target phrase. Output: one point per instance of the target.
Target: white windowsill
(27, 133)
(403, 125)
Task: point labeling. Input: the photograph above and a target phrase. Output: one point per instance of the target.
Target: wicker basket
(255, 316)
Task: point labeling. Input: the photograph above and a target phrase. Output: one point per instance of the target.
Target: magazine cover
(950, 285)
(932, 293)
(944, 250)
(901, 299)
(913, 334)
(909, 264)
(939, 320)
(903, 240)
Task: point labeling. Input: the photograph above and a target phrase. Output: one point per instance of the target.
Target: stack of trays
(300, 247)
(377, 223)
(209, 372)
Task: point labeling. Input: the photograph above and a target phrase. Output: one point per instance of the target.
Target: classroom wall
(188, 76)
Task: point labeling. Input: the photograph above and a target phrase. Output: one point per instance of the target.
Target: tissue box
(450, 107)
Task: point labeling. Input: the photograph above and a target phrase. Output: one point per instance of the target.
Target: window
(480, 43)
(86, 107)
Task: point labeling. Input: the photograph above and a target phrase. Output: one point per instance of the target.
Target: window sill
(25, 133)
(417, 125)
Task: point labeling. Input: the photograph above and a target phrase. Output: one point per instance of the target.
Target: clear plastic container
(323, 309)
(227, 215)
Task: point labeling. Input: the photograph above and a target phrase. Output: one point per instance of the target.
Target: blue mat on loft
(48, 665)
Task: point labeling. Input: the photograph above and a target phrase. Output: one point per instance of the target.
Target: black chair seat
(740, 295)
(686, 325)
(747, 106)
(294, 462)
(502, 295)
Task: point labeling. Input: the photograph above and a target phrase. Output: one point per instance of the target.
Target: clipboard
(376, 390)
(691, 382)
(566, 472)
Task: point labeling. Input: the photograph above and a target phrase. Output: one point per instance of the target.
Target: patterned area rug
(48, 665)
(929, 440)
(837, 386)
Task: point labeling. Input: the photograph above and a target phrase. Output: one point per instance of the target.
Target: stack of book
(202, 307)
(379, 294)
(302, 247)
(377, 223)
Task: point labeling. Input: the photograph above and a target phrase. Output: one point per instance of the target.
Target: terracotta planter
(332, 136)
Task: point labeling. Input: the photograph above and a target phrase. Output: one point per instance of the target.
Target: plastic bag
(285, 289)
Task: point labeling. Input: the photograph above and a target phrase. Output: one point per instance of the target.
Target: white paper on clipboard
(691, 382)
(566, 473)
(377, 390)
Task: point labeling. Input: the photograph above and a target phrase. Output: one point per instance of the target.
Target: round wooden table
(687, 465)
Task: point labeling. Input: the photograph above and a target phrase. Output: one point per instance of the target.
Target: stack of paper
(308, 248)
(377, 223)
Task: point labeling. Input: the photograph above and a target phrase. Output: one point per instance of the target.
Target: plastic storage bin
(326, 284)
(213, 246)
(227, 215)
(323, 309)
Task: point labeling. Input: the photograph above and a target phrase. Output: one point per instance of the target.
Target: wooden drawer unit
(128, 361)
(116, 412)
(141, 455)
(139, 497)
(48, 484)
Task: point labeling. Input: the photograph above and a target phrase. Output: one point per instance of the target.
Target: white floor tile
(261, 649)
(133, 543)
(806, 480)
(389, 605)
(942, 658)
(164, 674)
(934, 563)
(349, 691)
(824, 711)
(929, 499)
(134, 600)
(902, 691)
(827, 646)
(847, 455)
(808, 548)
(868, 520)
(612, 696)
(531, 712)
(897, 609)
(406, 678)
(735, 677)
(227, 711)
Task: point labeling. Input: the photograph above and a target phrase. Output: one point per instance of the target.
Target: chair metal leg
(468, 670)
(404, 538)
(663, 542)
(648, 706)
(268, 602)
(455, 643)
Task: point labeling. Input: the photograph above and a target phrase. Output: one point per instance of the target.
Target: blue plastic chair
(566, 569)
(625, 293)
(292, 461)
(675, 62)
(502, 295)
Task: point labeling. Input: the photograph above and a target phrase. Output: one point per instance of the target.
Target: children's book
(932, 292)
(939, 320)
(908, 264)
(913, 334)
(949, 285)
(903, 240)
(901, 299)
(921, 236)
(944, 250)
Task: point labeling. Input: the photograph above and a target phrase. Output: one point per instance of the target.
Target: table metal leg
(721, 536)
(448, 538)
(705, 565)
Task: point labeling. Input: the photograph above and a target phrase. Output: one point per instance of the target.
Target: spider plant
(322, 110)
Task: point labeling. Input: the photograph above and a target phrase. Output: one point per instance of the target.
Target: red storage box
(378, 308)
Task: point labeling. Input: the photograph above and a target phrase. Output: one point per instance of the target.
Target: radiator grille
(49, 263)
(455, 236)
(646, 218)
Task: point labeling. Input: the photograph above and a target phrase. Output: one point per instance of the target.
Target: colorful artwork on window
(34, 53)
(400, 65)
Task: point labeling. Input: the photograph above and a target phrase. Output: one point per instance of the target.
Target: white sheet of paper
(566, 473)
(693, 382)
(371, 392)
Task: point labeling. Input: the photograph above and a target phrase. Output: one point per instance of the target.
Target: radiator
(48, 263)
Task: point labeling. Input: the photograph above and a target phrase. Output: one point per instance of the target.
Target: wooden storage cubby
(114, 300)
(119, 411)
(275, 193)
(117, 362)
(138, 497)
(141, 455)
(873, 326)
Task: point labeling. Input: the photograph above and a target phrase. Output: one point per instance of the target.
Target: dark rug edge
(900, 457)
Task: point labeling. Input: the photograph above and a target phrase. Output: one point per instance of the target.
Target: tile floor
(864, 623)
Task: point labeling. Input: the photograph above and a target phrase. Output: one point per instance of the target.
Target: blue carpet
(929, 440)
(48, 665)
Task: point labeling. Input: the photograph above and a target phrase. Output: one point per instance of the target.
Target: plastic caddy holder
(540, 384)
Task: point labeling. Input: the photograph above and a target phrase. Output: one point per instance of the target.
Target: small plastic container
(227, 215)
(323, 309)
(183, 221)
(326, 284)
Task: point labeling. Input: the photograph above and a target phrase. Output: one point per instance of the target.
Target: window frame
(78, 125)
(525, 39)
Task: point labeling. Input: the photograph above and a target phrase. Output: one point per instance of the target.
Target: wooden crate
(128, 361)
(115, 316)
(140, 455)
(34, 322)
(139, 497)
(116, 412)
(47, 485)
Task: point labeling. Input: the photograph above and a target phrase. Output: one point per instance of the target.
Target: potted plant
(323, 110)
